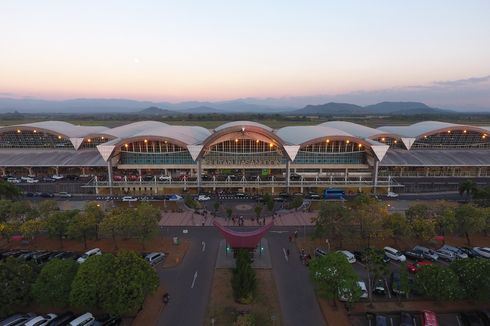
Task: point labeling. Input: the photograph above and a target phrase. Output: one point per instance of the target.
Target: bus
(332, 193)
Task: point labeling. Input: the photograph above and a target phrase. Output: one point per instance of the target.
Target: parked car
(429, 318)
(203, 198)
(446, 255)
(460, 254)
(42, 320)
(428, 253)
(320, 252)
(118, 178)
(16, 319)
(379, 287)
(64, 194)
(41, 257)
(394, 254)
(62, 319)
(48, 179)
(129, 198)
(86, 319)
(406, 319)
(483, 251)
(88, 254)
(46, 195)
(165, 178)
(413, 268)
(414, 254)
(155, 257)
(346, 295)
(313, 195)
(175, 197)
(148, 177)
(470, 252)
(391, 194)
(58, 176)
(485, 316)
(31, 180)
(13, 180)
(471, 319)
(133, 177)
(109, 320)
(395, 283)
(349, 255)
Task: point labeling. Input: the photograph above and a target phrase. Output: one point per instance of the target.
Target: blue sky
(215, 50)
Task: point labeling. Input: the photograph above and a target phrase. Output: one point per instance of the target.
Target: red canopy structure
(245, 240)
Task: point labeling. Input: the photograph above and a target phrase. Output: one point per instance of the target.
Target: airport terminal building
(150, 157)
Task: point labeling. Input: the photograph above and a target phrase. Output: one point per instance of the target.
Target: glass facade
(244, 152)
(33, 139)
(390, 141)
(453, 139)
(154, 152)
(93, 142)
(332, 152)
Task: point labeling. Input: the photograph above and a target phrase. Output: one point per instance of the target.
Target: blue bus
(332, 193)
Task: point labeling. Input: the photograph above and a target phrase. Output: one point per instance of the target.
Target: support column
(199, 175)
(479, 172)
(57, 170)
(376, 165)
(29, 171)
(288, 176)
(109, 175)
(3, 171)
(345, 175)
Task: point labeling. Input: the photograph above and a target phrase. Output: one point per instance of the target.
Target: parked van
(394, 254)
(90, 253)
(429, 254)
(155, 258)
(84, 320)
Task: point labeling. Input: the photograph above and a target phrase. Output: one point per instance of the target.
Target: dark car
(414, 254)
(62, 319)
(485, 317)
(27, 255)
(396, 283)
(109, 320)
(48, 179)
(470, 252)
(148, 178)
(17, 319)
(41, 257)
(471, 319)
(72, 177)
(379, 287)
(294, 177)
(47, 195)
(406, 319)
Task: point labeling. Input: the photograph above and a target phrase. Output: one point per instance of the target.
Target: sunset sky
(215, 50)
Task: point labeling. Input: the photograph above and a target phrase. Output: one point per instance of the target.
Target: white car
(175, 198)
(391, 194)
(84, 320)
(31, 180)
(13, 180)
(40, 320)
(203, 198)
(88, 254)
(483, 251)
(349, 255)
(64, 194)
(345, 295)
(394, 254)
(129, 198)
(165, 178)
(57, 176)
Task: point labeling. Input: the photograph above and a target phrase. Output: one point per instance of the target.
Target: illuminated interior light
(328, 141)
(236, 140)
(35, 130)
(464, 131)
(396, 141)
(257, 141)
(348, 141)
(383, 139)
(89, 140)
(360, 145)
(102, 137)
(59, 137)
(126, 145)
(146, 140)
(18, 131)
(449, 131)
(271, 145)
(425, 137)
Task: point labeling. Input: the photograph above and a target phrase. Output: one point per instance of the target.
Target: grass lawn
(223, 308)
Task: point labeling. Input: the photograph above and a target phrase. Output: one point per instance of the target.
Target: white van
(84, 320)
(90, 253)
(155, 257)
(394, 254)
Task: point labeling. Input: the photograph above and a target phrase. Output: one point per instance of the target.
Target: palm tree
(467, 187)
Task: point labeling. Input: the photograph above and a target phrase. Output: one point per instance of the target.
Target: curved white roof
(302, 134)
(242, 124)
(61, 127)
(423, 127)
(129, 130)
(353, 128)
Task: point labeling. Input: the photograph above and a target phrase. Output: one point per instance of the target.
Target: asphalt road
(189, 284)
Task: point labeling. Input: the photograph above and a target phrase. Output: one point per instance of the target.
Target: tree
(470, 219)
(404, 280)
(20, 209)
(8, 190)
(268, 201)
(119, 222)
(438, 282)
(422, 211)
(53, 285)
(423, 228)
(398, 225)
(333, 221)
(48, 207)
(375, 266)
(94, 212)
(467, 187)
(370, 215)
(474, 277)
(444, 217)
(334, 276)
(244, 282)
(82, 226)
(16, 279)
(57, 224)
(258, 211)
(7, 230)
(216, 207)
(229, 212)
(30, 228)
(146, 221)
(5, 209)
(116, 284)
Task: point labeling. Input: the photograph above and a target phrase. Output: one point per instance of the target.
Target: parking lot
(394, 319)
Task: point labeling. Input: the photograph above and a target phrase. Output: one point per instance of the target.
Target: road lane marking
(279, 232)
(194, 280)
(203, 244)
(285, 254)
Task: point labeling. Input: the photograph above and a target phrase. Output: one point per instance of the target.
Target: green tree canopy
(94, 212)
(438, 282)
(398, 225)
(333, 275)
(146, 221)
(470, 219)
(244, 282)
(47, 207)
(334, 221)
(474, 277)
(53, 285)
(8, 190)
(467, 187)
(57, 223)
(118, 223)
(423, 228)
(16, 279)
(31, 228)
(82, 226)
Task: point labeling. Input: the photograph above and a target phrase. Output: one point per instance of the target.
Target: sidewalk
(192, 219)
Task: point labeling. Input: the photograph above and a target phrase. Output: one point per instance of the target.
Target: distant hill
(153, 110)
(202, 110)
(383, 108)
